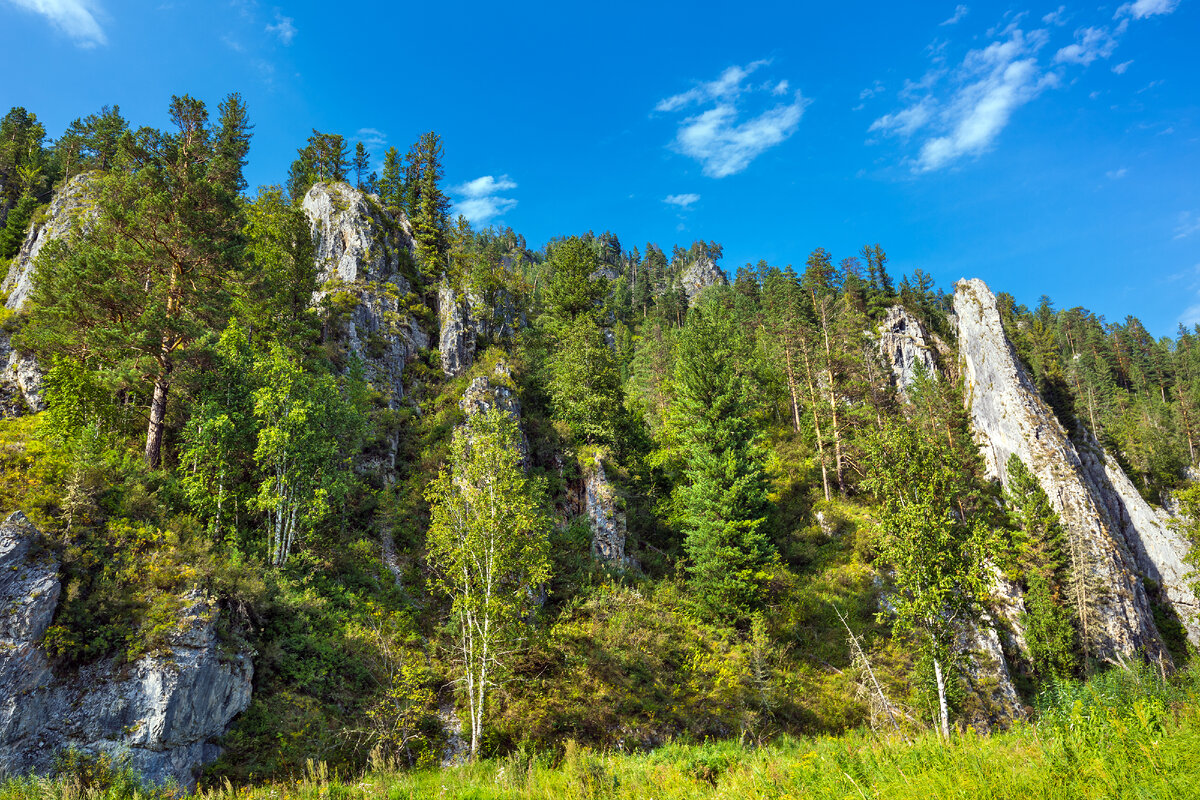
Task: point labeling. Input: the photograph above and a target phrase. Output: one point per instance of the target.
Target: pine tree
(391, 183)
(431, 213)
(361, 165)
(723, 503)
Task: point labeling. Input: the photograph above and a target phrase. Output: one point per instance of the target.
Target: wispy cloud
(985, 90)
(284, 28)
(1056, 17)
(959, 13)
(1146, 8)
(1188, 224)
(1120, 68)
(1090, 44)
(371, 138)
(718, 137)
(480, 201)
(683, 201)
(1116, 174)
(75, 18)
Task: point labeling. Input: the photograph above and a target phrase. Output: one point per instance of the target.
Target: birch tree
(488, 548)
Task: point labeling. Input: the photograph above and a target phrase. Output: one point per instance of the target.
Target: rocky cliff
(496, 390)
(1009, 417)
(603, 510)
(466, 317)
(906, 346)
(162, 712)
(365, 257)
(21, 381)
(698, 276)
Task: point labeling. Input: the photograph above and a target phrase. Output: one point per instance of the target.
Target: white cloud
(1120, 68)
(871, 91)
(717, 138)
(681, 200)
(284, 28)
(1188, 224)
(371, 138)
(75, 18)
(1116, 174)
(1090, 44)
(988, 86)
(959, 13)
(727, 87)
(479, 199)
(1146, 8)
(1056, 17)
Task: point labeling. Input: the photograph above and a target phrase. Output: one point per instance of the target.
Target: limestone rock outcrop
(362, 252)
(698, 276)
(496, 390)
(905, 344)
(21, 381)
(1009, 417)
(604, 514)
(162, 712)
(465, 317)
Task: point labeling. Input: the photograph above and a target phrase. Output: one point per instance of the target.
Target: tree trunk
(941, 687)
(791, 379)
(812, 393)
(158, 414)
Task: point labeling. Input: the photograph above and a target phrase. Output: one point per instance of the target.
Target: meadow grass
(1122, 735)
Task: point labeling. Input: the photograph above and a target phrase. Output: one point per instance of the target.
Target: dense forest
(481, 498)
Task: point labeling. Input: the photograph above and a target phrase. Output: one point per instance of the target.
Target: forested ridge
(456, 497)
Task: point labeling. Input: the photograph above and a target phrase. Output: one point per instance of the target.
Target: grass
(1125, 734)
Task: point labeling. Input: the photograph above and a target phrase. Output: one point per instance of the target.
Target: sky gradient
(1048, 149)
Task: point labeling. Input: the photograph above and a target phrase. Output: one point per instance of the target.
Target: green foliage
(723, 504)
(487, 547)
(1038, 544)
(15, 225)
(323, 158)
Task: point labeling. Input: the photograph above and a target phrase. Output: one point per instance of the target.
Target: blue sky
(1045, 148)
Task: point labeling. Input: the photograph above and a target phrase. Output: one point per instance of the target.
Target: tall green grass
(1124, 734)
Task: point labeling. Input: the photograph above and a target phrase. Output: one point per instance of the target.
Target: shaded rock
(161, 713)
(364, 253)
(1151, 533)
(698, 276)
(605, 517)
(1009, 417)
(906, 346)
(465, 318)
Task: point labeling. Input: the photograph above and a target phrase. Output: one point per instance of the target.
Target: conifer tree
(391, 182)
(361, 165)
(723, 504)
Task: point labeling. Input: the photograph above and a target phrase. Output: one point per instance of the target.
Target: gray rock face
(1150, 532)
(69, 204)
(465, 317)
(496, 391)
(905, 344)
(698, 276)
(458, 335)
(606, 519)
(361, 251)
(21, 381)
(1009, 417)
(161, 712)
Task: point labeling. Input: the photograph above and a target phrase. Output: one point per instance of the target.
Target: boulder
(161, 714)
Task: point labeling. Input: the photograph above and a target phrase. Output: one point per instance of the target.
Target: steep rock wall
(698, 276)
(362, 252)
(604, 514)
(21, 381)
(906, 346)
(1009, 417)
(162, 712)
